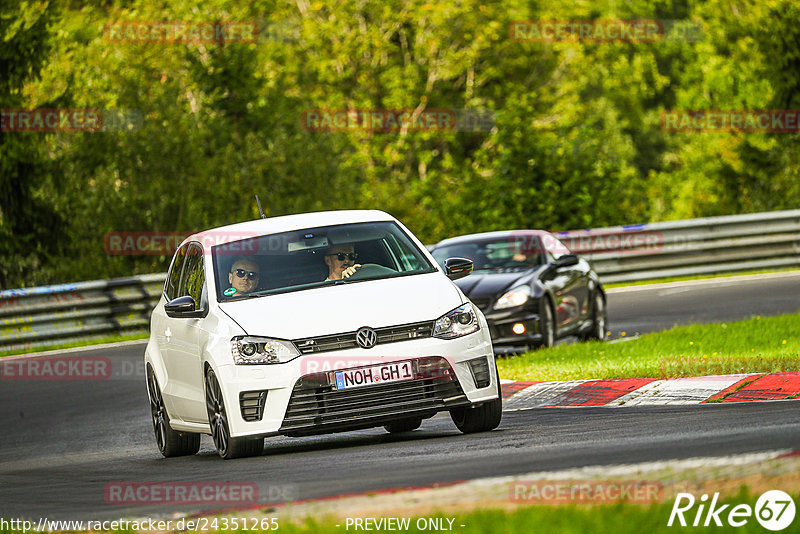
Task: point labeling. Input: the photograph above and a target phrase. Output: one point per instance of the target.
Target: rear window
(295, 261)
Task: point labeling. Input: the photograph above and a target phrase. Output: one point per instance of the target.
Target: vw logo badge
(366, 337)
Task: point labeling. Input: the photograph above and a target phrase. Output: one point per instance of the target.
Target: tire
(170, 442)
(227, 447)
(471, 419)
(404, 425)
(547, 326)
(599, 319)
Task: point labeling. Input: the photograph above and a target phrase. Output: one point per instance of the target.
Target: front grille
(405, 332)
(480, 372)
(251, 403)
(347, 340)
(482, 303)
(316, 406)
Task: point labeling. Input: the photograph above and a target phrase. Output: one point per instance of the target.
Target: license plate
(376, 374)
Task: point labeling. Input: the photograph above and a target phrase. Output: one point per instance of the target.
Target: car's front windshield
(308, 258)
(503, 254)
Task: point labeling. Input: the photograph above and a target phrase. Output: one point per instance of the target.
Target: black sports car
(530, 287)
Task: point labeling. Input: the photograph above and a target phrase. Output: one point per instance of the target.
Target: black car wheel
(170, 442)
(481, 418)
(227, 447)
(405, 425)
(547, 326)
(599, 319)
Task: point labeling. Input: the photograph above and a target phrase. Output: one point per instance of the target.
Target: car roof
(485, 236)
(285, 223)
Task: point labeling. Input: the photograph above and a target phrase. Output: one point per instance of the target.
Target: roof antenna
(259, 208)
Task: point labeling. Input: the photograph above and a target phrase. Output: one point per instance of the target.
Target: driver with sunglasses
(341, 262)
(243, 276)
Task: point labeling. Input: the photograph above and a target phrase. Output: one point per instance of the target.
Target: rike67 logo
(774, 510)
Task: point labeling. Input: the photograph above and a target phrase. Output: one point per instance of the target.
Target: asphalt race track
(64, 441)
(643, 309)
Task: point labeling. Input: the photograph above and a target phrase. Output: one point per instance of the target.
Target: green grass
(698, 277)
(758, 345)
(79, 343)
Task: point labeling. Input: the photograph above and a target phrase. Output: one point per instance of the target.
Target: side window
(193, 274)
(174, 275)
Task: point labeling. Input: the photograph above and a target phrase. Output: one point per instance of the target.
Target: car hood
(346, 307)
(492, 284)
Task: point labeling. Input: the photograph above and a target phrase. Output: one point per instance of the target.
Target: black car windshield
(302, 259)
(499, 254)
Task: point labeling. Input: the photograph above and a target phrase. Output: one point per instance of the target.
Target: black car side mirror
(567, 260)
(183, 307)
(456, 268)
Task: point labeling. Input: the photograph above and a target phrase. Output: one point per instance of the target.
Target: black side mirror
(182, 307)
(567, 260)
(456, 268)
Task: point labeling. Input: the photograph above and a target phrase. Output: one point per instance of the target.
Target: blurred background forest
(576, 140)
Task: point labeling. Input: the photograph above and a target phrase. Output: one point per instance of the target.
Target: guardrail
(711, 245)
(40, 316)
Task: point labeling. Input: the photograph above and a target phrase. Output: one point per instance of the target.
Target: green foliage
(27, 220)
(576, 140)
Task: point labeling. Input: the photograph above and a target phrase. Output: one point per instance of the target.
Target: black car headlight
(459, 322)
(262, 350)
(513, 297)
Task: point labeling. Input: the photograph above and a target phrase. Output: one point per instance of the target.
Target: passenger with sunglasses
(243, 277)
(341, 261)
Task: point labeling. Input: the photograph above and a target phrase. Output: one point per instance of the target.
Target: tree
(29, 224)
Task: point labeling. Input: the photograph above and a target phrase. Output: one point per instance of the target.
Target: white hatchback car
(255, 335)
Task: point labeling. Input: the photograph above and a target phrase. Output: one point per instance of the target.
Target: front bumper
(298, 397)
(316, 406)
(502, 322)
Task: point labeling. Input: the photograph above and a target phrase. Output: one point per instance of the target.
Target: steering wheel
(370, 270)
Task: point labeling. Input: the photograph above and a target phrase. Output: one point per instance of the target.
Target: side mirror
(182, 307)
(567, 260)
(456, 268)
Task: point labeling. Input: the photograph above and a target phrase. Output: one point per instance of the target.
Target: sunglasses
(341, 256)
(251, 275)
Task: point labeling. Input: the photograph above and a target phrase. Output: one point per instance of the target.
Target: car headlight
(261, 350)
(456, 323)
(513, 297)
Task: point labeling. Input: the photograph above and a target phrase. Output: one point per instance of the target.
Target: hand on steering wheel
(347, 273)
